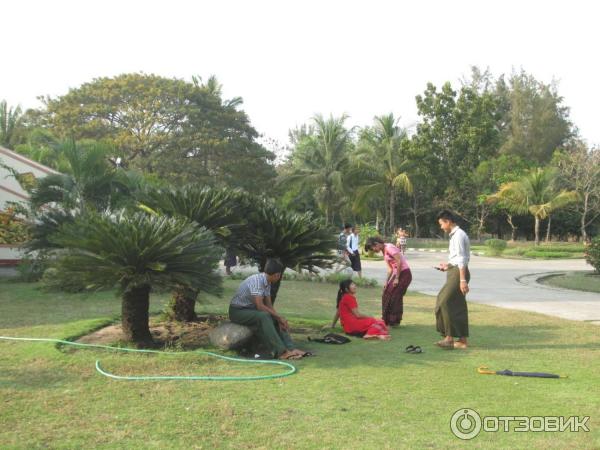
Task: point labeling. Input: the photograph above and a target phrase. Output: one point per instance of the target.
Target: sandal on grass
(413, 349)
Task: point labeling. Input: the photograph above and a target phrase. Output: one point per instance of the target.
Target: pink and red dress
(392, 299)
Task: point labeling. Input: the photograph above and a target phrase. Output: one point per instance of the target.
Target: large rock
(230, 335)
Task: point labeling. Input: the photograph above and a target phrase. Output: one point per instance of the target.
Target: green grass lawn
(360, 395)
(580, 281)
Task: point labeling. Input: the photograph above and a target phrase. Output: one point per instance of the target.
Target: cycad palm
(299, 241)
(535, 194)
(321, 161)
(218, 210)
(137, 253)
(381, 168)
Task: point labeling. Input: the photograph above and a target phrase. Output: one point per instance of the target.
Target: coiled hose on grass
(291, 369)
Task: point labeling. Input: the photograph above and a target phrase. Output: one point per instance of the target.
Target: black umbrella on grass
(485, 371)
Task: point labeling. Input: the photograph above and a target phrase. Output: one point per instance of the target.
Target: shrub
(53, 282)
(333, 278)
(545, 254)
(496, 246)
(12, 229)
(31, 268)
(360, 282)
(571, 248)
(592, 254)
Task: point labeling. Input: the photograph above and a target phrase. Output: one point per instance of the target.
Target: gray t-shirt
(253, 286)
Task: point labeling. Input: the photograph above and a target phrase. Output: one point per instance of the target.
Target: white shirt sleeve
(461, 251)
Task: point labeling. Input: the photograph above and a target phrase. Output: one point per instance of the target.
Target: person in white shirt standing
(353, 252)
(451, 313)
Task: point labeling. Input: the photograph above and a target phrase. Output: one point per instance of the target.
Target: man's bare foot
(460, 344)
(446, 344)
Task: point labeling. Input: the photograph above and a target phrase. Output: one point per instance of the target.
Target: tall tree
(217, 144)
(184, 132)
(580, 168)
(535, 194)
(536, 122)
(320, 161)
(10, 119)
(139, 113)
(459, 131)
(382, 164)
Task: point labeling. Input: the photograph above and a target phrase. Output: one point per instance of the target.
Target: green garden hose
(291, 369)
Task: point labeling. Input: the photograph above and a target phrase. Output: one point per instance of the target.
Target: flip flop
(413, 349)
(306, 354)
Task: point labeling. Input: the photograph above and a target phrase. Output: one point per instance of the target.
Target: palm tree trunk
(416, 216)
(392, 212)
(275, 288)
(537, 230)
(513, 229)
(548, 235)
(584, 216)
(182, 304)
(135, 305)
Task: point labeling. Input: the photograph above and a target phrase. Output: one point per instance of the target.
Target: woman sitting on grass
(352, 320)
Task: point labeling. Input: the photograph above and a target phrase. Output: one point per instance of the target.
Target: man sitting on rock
(251, 306)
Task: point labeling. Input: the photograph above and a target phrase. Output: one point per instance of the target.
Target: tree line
(502, 152)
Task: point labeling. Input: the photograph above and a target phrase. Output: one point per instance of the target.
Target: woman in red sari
(353, 321)
(398, 280)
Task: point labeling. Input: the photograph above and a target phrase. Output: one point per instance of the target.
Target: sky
(292, 59)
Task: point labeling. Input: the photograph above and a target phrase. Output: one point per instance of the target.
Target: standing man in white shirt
(352, 245)
(451, 313)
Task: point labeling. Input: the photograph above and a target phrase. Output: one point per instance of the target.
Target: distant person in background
(451, 313)
(398, 279)
(343, 241)
(401, 238)
(352, 248)
(230, 260)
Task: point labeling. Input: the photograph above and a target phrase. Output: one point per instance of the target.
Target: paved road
(507, 283)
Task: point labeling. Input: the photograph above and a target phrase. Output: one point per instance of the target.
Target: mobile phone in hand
(437, 268)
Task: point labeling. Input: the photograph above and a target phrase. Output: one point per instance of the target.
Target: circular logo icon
(465, 424)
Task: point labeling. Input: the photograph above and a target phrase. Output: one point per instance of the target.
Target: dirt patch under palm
(184, 335)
